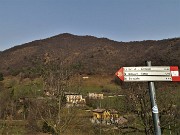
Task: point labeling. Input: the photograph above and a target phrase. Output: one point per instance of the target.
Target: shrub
(47, 129)
(1, 77)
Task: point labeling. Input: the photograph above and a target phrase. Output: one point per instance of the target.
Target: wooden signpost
(150, 74)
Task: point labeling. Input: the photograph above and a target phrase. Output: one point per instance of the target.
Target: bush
(47, 129)
(1, 77)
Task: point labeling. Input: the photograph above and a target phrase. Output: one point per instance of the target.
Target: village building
(95, 96)
(105, 116)
(74, 99)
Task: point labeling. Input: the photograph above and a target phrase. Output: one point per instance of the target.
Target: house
(105, 116)
(74, 99)
(113, 115)
(95, 96)
(100, 114)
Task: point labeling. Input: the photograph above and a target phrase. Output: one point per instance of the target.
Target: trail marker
(150, 74)
(153, 73)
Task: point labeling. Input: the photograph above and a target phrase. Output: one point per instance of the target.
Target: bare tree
(52, 111)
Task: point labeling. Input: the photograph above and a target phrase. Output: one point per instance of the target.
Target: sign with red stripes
(153, 73)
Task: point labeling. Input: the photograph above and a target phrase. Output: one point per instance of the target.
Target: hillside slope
(90, 54)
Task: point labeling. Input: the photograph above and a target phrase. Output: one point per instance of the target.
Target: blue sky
(23, 21)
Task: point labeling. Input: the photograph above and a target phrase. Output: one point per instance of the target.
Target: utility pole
(155, 115)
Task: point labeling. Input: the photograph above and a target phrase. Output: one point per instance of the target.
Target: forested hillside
(88, 54)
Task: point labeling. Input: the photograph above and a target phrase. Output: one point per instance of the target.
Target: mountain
(91, 55)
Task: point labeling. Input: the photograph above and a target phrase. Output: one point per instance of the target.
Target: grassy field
(95, 83)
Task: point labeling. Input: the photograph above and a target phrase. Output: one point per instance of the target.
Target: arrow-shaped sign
(154, 73)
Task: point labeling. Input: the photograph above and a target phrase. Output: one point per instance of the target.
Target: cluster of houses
(74, 99)
(99, 116)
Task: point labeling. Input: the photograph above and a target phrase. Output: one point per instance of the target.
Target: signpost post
(154, 106)
(150, 74)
